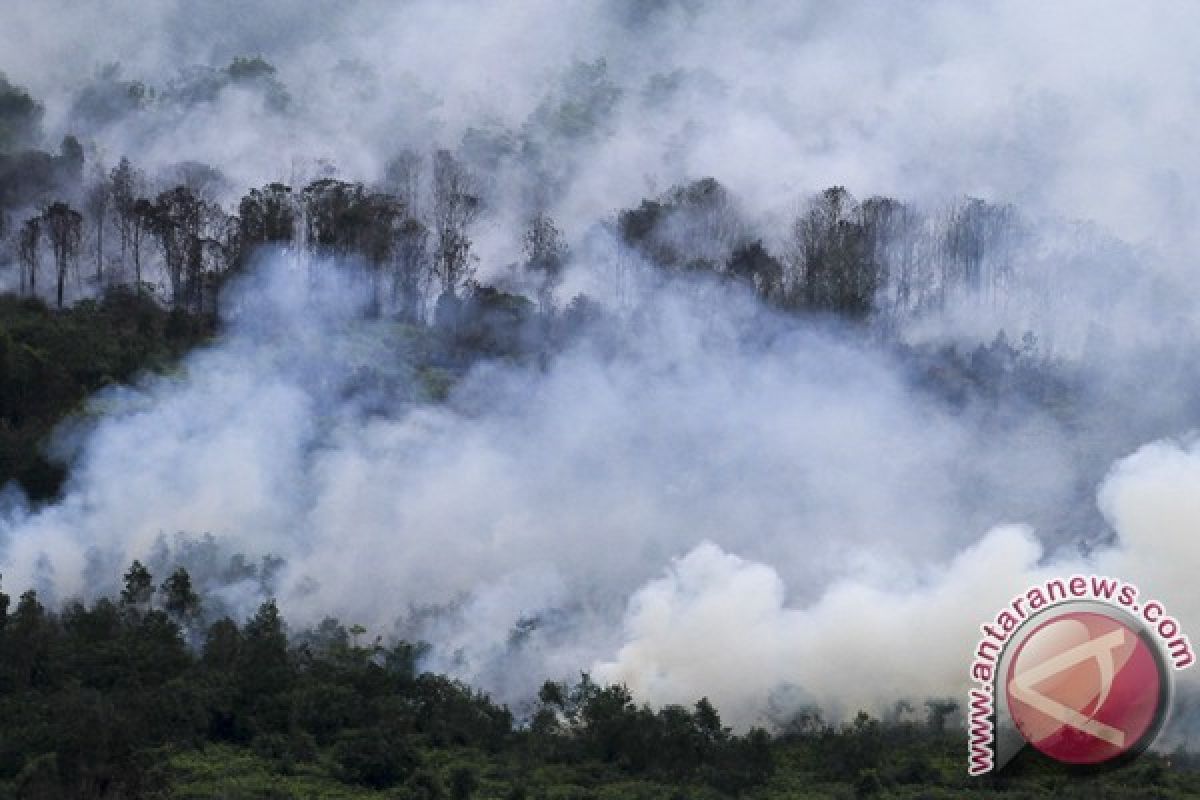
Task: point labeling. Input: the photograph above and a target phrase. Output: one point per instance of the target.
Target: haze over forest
(756, 352)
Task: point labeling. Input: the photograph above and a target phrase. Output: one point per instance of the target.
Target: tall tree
(376, 224)
(28, 246)
(179, 219)
(545, 254)
(179, 599)
(263, 667)
(893, 234)
(96, 202)
(132, 213)
(411, 260)
(64, 229)
(456, 206)
(402, 178)
(978, 244)
(330, 206)
(139, 586)
(20, 118)
(267, 216)
(834, 272)
(4, 600)
(752, 264)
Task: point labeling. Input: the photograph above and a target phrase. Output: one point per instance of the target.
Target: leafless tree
(403, 179)
(182, 221)
(456, 206)
(64, 228)
(834, 271)
(132, 212)
(410, 271)
(545, 255)
(96, 203)
(28, 245)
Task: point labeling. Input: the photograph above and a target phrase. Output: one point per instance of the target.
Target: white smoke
(817, 515)
(1062, 108)
(716, 624)
(721, 501)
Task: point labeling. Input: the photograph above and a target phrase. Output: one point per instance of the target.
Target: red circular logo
(1085, 687)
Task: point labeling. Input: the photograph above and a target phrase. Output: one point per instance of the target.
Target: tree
(402, 178)
(97, 199)
(267, 216)
(372, 758)
(28, 244)
(254, 72)
(411, 259)
(695, 226)
(180, 220)
(131, 211)
(28, 639)
(329, 207)
(4, 600)
(140, 226)
(708, 721)
(377, 223)
(834, 272)
(64, 228)
(978, 241)
(20, 118)
(221, 252)
(343, 219)
(456, 206)
(894, 246)
(938, 712)
(263, 665)
(139, 586)
(70, 163)
(545, 254)
(751, 264)
(222, 645)
(463, 783)
(178, 597)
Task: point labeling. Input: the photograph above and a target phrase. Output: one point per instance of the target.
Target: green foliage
(105, 693)
(51, 361)
(179, 599)
(490, 322)
(139, 586)
(108, 700)
(103, 701)
(372, 758)
(20, 117)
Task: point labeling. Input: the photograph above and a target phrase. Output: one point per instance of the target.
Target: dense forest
(133, 697)
(120, 268)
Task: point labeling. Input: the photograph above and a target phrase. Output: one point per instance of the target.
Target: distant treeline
(73, 229)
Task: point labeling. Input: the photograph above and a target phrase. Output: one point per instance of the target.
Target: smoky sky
(1078, 110)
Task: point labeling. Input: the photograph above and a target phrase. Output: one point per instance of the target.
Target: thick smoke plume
(718, 502)
(698, 495)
